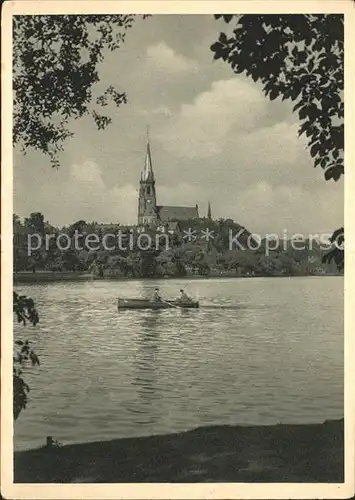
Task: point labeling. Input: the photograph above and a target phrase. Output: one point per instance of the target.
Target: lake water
(258, 351)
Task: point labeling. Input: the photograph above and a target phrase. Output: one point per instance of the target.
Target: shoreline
(274, 453)
(48, 277)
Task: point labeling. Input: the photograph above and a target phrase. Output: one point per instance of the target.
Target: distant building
(160, 218)
(152, 214)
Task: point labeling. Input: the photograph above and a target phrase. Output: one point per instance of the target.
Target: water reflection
(146, 365)
(277, 358)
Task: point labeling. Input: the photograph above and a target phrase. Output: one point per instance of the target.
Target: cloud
(159, 111)
(87, 195)
(214, 135)
(93, 200)
(87, 175)
(273, 146)
(82, 194)
(164, 58)
(264, 208)
(200, 129)
(182, 193)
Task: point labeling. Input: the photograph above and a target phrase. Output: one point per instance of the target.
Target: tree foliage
(35, 223)
(55, 64)
(175, 256)
(298, 58)
(336, 254)
(24, 310)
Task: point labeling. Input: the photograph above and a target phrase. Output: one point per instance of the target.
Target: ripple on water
(256, 352)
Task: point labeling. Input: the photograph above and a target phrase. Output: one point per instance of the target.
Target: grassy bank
(280, 453)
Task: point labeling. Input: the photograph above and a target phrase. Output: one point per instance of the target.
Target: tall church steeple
(148, 174)
(147, 204)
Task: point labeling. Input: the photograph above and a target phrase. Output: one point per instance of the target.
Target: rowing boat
(148, 304)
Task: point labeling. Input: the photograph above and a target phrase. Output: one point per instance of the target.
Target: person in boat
(183, 297)
(156, 296)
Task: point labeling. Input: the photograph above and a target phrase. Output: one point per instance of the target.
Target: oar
(171, 305)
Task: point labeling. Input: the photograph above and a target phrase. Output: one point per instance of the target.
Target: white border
(171, 491)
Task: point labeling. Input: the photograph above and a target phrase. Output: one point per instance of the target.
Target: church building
(149, 212)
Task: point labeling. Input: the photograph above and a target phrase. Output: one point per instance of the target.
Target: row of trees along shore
(56, 65)
(182, 257)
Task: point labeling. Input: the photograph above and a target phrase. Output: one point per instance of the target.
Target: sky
(213, 134)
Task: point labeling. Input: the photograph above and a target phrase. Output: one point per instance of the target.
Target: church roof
(167, 214)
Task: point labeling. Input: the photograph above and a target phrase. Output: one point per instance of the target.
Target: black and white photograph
(175, 259)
